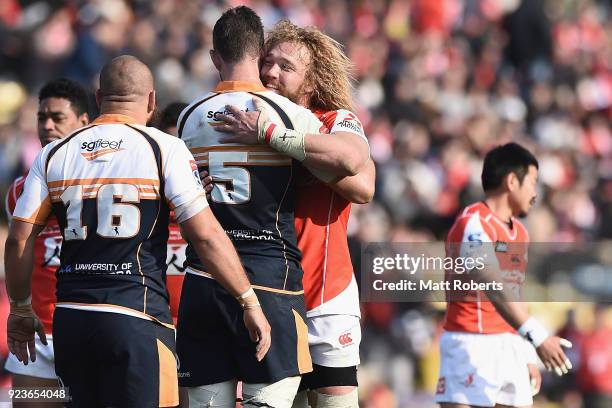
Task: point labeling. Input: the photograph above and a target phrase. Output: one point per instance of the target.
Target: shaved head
(125, 78)
(126, 88)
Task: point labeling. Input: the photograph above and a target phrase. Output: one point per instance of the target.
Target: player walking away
(112, 331)
(62, 108)
(253, 197)
(176, 244)
(310, 68)
(484, 363)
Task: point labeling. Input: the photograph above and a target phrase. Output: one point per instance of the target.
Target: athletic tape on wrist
(534, 332)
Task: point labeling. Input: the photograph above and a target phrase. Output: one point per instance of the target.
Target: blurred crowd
(438, 83)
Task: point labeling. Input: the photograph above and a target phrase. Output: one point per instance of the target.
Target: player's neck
(241, 71)
(498, 204)
(109, 108)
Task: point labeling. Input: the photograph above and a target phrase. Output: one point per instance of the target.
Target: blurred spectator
(595, 374)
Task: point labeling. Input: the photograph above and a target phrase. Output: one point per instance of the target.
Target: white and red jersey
(321, 218)
(176, 271)
(46, 260)
(479, 231)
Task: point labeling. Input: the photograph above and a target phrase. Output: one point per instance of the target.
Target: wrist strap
(283, 140)
(533, 331)
(249, 292)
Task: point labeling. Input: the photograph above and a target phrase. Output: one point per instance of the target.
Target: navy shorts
(213, 344)
(114, 360)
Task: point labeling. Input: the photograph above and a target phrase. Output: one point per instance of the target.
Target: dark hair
(66, 89)
(169, 116)
(239, 31)
(503, 160)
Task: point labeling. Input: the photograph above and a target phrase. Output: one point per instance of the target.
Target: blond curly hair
(329, 72)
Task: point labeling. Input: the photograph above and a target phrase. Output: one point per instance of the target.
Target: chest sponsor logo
(99, 148)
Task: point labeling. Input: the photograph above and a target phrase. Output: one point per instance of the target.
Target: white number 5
(232, 184)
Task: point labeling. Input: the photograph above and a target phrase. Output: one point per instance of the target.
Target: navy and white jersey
(111, 186)
(253, 194)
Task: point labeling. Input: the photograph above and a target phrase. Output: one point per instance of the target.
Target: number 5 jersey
(253, 194)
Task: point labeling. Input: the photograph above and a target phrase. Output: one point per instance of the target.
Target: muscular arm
(344, 154)
(358, 189)
(19, 258)
(216, 251)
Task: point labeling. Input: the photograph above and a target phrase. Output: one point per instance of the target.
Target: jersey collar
(107, 118)
(239, 86)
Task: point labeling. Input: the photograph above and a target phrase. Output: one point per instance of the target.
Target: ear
(84, 119)
(98, 97)
(216, 59)
(511, 181)
(152, 104)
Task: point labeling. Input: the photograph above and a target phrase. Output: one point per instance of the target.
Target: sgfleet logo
(99, 148)
(214, 115)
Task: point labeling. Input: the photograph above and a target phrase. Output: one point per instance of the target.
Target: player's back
(253, 195)
(479, 231)
(106, 185)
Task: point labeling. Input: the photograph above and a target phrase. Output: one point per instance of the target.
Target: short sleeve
(181, 177)
(346, 121)
(34, 204)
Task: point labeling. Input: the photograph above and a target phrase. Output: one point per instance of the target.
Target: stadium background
(438, 84)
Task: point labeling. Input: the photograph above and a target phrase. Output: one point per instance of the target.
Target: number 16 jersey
(110, 186)
(253, 194)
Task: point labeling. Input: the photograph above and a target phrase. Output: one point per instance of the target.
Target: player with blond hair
(311, 69)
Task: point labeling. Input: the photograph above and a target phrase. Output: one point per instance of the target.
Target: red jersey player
(175, 273)
(62, 109)
(309, 68)
(484, 362)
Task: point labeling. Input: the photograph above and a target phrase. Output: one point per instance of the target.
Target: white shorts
(43, 367)
(334, 340)
(483, 370)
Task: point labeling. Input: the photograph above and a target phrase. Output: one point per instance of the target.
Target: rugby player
(175, 273)
(310, 68)
(484, 362)
(62, 108)
(253, 198)
(111, 186)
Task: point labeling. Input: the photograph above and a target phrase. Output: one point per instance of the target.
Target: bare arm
(19, 258)
(344, 154)
(22, 322)
(358, 189)
(216, 251)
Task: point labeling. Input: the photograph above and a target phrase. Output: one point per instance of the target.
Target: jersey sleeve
(34, 203)
(181, 177)
(345, 121)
